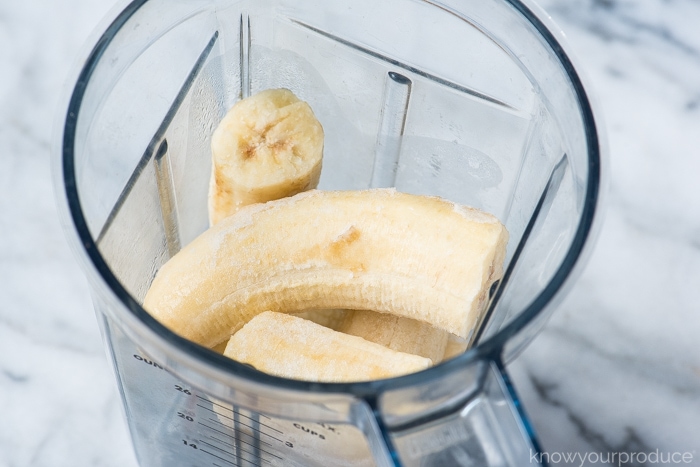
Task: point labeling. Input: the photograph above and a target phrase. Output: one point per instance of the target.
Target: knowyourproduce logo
(618, 459)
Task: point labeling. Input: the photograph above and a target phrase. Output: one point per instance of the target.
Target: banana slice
(332, 319)
(268, 146)
(455, 346)
(291, 347)
(414, 256)
(219, 348)
(397, 333)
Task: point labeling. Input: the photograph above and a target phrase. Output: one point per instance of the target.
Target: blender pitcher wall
(135, 168)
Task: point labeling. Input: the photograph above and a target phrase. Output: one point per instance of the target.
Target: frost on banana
(414, 256)
(292, 347)
(268, 146)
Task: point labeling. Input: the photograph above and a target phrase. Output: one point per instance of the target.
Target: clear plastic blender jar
(474, 101)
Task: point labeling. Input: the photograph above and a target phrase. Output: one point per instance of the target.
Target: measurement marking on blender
(227, 408)
(218, 457)
(229, 454)
(237, 458)
(238, 439)
(238, 413)
(238, 450)
(241, 432)
(224, 407)
(244, 433)
(224, 442)
(241, 449)
(247, 426)
(218, 448)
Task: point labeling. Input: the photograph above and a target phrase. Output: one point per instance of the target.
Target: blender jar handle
(489, 429)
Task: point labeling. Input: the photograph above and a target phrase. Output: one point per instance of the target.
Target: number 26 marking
(183, 390)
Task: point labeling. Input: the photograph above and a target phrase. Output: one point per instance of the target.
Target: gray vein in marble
(693, 104)
(603, 18)
(631, 443)
(615, 72)
(661, 33)
(68, 343)
(659, 371)
(14, 377)
(27, 132)
(40, 447)
(663, 227)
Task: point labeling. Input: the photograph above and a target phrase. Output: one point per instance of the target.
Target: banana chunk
(397, 333)
(332, 319)
(291, 347)
(419, 257)
(455, 346)
(268, 146)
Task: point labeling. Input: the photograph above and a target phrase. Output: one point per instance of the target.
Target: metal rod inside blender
(397, 94)
(244, 54)
(490, 320)
(409, 68)
(166, 194)
(159, 135)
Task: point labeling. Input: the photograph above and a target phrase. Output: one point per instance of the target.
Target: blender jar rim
(490, 349)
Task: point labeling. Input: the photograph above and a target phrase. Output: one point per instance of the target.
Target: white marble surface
(617, 369)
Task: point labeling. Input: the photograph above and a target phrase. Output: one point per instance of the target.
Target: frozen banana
(268, 146)
(331, 319)
(455, 346)
(292, 347)
(414, 256)
(397, 333)
(219, 348)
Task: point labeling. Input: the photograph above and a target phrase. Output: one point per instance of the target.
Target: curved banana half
(414, 256)
(292, 347)
(396, 333)
(268, 146)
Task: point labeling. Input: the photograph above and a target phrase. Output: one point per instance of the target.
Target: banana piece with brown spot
(268, 146)
(414, 256)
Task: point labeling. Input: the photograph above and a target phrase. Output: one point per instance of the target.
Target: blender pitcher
(473, 101)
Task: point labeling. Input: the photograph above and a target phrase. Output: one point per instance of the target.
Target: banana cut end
(268, 146)
(291, 347)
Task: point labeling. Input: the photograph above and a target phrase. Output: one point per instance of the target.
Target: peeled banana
(397, 333)
(455, 346)
(414, 256)
(268, 146)
(292, 347)
(332, 319)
